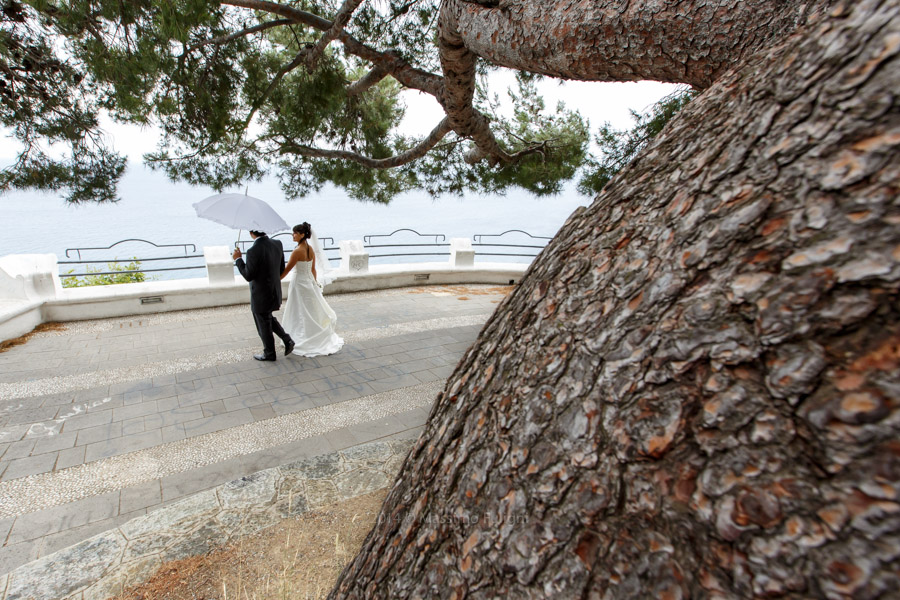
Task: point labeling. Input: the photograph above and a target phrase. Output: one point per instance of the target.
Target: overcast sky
(598, 102)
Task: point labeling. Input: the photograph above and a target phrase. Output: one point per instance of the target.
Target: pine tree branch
(239, 34)
(364, 83)
(414, 153)
(298, 60)
(409, 76)
(340, 21)
(458, 65)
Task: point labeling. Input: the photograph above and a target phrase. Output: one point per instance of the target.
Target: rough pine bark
(691, 41)
(694, 390)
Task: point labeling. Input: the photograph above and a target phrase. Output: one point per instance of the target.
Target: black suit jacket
(265, 263)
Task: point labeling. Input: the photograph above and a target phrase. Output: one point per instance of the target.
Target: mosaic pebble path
(111, 420)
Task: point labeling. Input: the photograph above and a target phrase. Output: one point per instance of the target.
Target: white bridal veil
(324, 273)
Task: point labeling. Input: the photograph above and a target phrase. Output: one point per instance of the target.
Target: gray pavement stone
(175, 416)
(245, 400)
(444, 372)
(393, 383)
(136, 410)
(31, 415)
(130, 398)
(187, 483)
(122, 445)
(261, 413)
(372, 430)
(100, 433)
(218, 422)
(163, 380)
(216, 407)
(313, 374)
(140, 496)
(54, 443)
(160, 392)
(89, 420)
(341, 439)
(133, 426)
(248, 387)
(5, 526)
(167, 404)
(20, 449)
(17, 554)
(36, 525)
(172, 433)
(69, 458)
(427, 376)
(23, 467)
(130, 386)
(292, 404)
(349, 392)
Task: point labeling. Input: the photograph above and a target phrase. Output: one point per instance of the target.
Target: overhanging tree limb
(610, 40)
(224, 39)
(414, 153)
(367, 81)
(399, 69)
(340, 21)
(458, 64)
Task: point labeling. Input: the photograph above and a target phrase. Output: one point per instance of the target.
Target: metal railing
(439, 242)
(117, 260)
(478, 242)
(370, 241)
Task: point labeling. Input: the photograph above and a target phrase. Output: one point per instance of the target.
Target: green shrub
(123, 274)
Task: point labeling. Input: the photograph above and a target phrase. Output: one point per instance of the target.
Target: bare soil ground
(298, 559)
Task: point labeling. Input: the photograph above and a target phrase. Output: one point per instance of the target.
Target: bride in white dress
(307, 317)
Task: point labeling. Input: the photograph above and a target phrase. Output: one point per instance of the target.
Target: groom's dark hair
(257, 233)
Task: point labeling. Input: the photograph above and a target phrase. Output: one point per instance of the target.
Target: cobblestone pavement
(109, 420)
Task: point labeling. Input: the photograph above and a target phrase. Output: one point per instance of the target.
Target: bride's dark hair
(303, 228)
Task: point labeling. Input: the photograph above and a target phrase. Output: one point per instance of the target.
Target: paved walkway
(108, 420)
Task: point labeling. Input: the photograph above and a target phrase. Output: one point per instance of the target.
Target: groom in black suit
(265, 263)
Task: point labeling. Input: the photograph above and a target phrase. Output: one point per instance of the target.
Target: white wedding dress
(307, 317)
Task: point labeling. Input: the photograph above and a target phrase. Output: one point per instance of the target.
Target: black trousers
(266, 325)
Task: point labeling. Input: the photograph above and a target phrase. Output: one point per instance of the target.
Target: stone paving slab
(87, 444)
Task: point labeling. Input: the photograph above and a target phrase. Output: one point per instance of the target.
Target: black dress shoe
(263, 357)
(288, 348)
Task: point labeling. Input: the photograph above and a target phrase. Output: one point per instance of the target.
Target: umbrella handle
(237, 244)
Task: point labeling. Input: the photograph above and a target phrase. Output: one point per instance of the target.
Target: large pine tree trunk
(695, 391)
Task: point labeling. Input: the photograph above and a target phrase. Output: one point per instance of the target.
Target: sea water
(156, 210)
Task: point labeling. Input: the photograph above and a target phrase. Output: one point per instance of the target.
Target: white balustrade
(354, 256)
(29, 277)
(461, 252)
(219, 265)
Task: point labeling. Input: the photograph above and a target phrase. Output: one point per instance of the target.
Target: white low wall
(30, 291)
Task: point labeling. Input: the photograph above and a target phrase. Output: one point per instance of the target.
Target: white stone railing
(31, 292)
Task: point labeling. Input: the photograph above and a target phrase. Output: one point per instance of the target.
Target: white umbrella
(240, 211)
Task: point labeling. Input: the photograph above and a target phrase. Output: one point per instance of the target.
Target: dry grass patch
(298, 559)
(52, 326)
